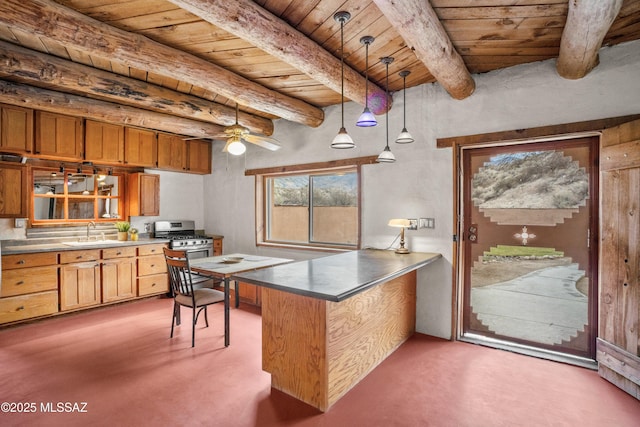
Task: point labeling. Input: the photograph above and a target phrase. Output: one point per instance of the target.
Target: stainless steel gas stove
(182, 235)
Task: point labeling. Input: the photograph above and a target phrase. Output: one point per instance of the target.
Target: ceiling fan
(236, 134)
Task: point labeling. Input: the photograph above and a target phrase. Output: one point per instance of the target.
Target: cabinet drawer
(154, 264)
(79, 256)
(26, 281)
(29, 260)
(123, 252)
(217, 243)
(27, 306)
(151, 250)
(154, 284)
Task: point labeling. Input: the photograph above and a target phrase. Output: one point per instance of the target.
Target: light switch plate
(427, 223)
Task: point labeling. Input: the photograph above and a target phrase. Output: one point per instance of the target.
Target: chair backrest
(179, 272)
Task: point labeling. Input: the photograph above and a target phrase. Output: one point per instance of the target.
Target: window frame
(65, 197)
(261, 199)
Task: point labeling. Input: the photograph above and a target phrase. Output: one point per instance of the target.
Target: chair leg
(193, 328)
(175, 319)
(206, 320)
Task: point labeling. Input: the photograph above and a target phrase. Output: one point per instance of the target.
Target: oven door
(198, 280)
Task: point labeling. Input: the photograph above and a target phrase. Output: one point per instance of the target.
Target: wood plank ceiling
(281, 58)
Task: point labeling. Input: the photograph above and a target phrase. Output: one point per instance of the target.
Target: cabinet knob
(21, 282)
(118, 253)
(20, 308)
(79, 257)
(21, 261)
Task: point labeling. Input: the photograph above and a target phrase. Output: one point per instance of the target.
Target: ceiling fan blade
(263, 141)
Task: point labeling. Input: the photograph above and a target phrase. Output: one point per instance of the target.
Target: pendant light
(366, 119)
(387, 156)
(342, 139)
(404, 137)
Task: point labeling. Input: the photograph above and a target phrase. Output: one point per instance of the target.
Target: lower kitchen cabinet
(250, 294)
(29, 286)
(152, 270)
(118, 274)
(79, 285)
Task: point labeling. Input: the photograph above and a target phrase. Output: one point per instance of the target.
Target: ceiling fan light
(404, 137)
(366, 119)
(342, 140)
(236, 147)
(386, 156)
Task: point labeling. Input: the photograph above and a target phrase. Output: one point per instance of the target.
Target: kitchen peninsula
(327, 322)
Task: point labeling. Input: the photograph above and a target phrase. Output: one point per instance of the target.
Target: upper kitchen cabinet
(199, 156)
(104, 142)
(13, 190)
(144, 194)
(58, 137)
(140, 147)
(172, 152)
(16, 129)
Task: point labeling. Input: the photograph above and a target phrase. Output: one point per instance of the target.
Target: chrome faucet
(91, 223)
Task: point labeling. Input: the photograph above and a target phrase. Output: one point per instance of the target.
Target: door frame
(458, 248)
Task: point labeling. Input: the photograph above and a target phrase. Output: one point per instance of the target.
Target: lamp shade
(399, 222)
(342, 140)
(366, 119)
(386, 156)
(236, 147)
(404, 137)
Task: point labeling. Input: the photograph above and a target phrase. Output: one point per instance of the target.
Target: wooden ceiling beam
(39, 69)
(48, 19)
(419, 26)
(79, 106)
(587, 24)
(248, 21)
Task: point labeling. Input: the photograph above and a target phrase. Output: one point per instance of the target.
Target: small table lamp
(402, 223)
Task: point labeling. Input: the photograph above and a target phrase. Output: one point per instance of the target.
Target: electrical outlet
(19, 223)
(147, 227)
(427, 223)
(414, 224)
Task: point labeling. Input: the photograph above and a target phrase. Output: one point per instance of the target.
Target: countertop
(338, 277)
(10, 247)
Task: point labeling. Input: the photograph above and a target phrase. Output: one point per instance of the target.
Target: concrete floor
(543, 306)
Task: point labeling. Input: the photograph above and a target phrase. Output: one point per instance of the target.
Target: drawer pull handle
(21, 261)
(79, 257)
(153, 284)
(20, 308)
(153, 250)
(118, 253)
(153, 265)
(21, 282)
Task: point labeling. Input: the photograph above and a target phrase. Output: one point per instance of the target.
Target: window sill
(305, 247)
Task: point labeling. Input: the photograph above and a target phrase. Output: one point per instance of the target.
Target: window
(318, 208)
(66, 196)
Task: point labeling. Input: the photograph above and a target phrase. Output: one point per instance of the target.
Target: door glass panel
(527, 257)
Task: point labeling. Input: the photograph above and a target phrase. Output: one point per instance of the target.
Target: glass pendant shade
(236, 147)
(404, 137)
(386, 156)
(366, 119)
(342, 140)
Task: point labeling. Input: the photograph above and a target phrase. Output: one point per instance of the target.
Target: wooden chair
(183, 292)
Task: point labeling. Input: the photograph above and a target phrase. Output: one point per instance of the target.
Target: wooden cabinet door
(618, 352)
(58, 137)
(141, 147)
(199, 156)
(104, 142)
(172, 152)
(118, 279)
(79, 285)
(144, 194)
(13, 190)
(16, 129)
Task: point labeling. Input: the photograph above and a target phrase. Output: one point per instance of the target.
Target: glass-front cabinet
(63, 196)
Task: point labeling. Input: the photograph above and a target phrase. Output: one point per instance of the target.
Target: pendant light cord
(342, 67)
(366, 75)
(387, 113)
(404, 102)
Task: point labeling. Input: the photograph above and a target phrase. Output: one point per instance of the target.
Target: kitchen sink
(90, 242)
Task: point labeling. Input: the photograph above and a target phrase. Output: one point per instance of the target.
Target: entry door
(529, 245)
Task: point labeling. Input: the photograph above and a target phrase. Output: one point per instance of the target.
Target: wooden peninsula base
(317, 350)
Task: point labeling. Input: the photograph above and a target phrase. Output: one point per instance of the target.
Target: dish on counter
(232, 260)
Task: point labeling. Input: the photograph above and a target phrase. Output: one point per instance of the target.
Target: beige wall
(330, 224)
